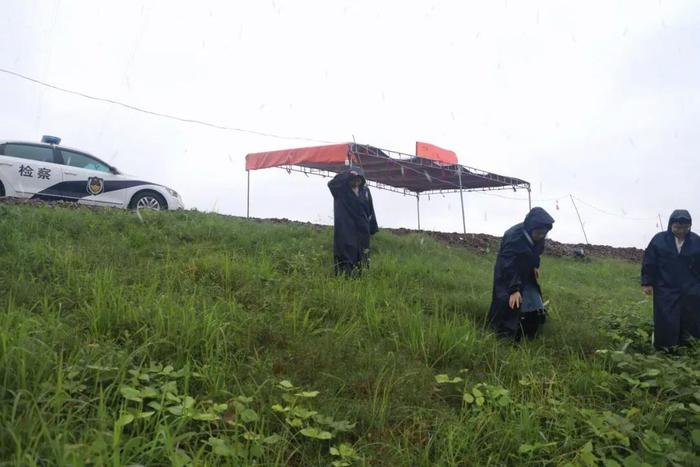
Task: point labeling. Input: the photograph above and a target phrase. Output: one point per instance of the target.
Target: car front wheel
(148, 200)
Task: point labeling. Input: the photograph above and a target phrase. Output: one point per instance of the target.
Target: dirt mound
(602, 251)
(488, 243)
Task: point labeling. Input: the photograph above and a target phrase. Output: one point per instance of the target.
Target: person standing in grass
(671, 273)
(354, 221)
(517, 308)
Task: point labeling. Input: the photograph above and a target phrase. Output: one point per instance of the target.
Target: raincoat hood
(679, 215)
(359, 171)
(537, 218)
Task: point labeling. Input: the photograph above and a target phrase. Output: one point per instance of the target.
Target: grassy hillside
(194, 339)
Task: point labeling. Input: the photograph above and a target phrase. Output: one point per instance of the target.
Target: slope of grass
(194, 339)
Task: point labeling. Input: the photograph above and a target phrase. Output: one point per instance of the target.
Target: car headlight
(172, 192)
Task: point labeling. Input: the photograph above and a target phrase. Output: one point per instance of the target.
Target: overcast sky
(596, 99)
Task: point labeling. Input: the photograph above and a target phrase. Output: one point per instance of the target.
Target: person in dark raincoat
(517, 308)
(354, 221)
(671, 272)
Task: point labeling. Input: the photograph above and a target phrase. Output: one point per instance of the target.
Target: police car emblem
(95, 185)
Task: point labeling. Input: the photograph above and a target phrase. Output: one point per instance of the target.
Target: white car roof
(58, 146)
(34, 143)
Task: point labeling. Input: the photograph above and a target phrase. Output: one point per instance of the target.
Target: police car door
(85, 179)
(30, 170)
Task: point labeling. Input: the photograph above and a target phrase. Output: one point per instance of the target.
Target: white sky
(597, 99)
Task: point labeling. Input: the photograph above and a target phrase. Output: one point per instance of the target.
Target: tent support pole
(418, 208)
(461, 200)
(529, 198)
(247, 202)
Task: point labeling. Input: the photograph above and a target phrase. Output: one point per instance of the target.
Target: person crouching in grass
(517, 308)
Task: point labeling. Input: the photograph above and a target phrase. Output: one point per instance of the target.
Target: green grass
(121, 339)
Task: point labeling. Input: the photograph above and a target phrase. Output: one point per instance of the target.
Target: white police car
(51, 172)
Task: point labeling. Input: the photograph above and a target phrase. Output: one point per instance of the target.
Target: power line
(262, 133)
(159, 114)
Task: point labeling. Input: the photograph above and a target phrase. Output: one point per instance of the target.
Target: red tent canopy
(429, 151)
(332, 154)
(434, 170)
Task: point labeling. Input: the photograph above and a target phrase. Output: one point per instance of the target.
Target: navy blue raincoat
(354, 222)
(675, 278)
(515, 270)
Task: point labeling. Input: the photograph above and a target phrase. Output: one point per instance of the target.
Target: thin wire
(158, 114)
(612, 213)
(499, 196)
(534, 200)
(603, 211)
(547, 200)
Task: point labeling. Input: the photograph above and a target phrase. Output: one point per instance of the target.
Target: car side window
(28, 151)
(83, 161)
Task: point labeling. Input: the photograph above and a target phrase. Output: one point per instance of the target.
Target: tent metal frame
(407, 160)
